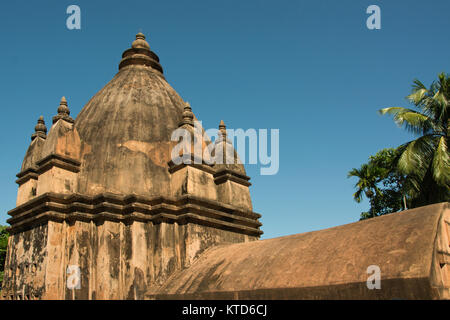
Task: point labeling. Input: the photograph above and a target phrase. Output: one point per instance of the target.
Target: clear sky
(311, 69)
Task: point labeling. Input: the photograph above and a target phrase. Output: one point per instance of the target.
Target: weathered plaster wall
(117, 260)
(25, 265)
(191, 180)
(57, 180)
(26, 191)
(234, 193)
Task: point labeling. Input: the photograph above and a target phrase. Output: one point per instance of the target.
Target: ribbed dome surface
(125, 131)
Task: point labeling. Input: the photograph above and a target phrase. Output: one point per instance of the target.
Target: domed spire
(63, 112)
(140, 54)
(188, 116)
(40, 129)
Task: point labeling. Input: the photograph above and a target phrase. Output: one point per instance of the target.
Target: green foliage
(417, 173)
(380, 181)
(3, 246)
(425, 162)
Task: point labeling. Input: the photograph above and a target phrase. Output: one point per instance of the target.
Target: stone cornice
(110, 207)
(27, 174)
(220, 176)
(56, 160)
(225, 175)
(175, 167)
(53, 160)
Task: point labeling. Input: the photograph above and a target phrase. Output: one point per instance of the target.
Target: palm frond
(441, 163)
(440, 106)
(358, 195)
(353, 173)
(413, 121)
(435, 102)
(416, 156)
(418, 95)
(418, 85)
(425, 162)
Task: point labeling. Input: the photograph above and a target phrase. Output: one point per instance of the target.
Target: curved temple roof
(411, 248)
(126, 127)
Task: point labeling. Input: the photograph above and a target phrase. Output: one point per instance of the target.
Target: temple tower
(101, 201)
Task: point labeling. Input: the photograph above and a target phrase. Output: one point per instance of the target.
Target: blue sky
(311, 69)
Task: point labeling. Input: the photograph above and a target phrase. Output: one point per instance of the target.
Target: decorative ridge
(51, 206)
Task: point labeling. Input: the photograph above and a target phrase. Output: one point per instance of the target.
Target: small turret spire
(223, 130)
(63, 112)
(63, 109)
(188, 115)
(225, 154)
(40, 130)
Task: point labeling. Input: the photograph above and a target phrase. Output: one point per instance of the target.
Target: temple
(101, 192)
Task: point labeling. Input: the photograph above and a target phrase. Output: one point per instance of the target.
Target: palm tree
(425, 161)
(368, 176)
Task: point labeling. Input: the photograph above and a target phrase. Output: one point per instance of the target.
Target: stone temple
(101, 193)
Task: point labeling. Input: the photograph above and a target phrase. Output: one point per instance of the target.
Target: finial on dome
(63, 111)
(140, 54)
(140, 41)
(188, 115)
(40, 130)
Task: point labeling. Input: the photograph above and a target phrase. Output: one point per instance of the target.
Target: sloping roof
(326, 264)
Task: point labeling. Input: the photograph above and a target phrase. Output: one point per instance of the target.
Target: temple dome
(125, 129)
